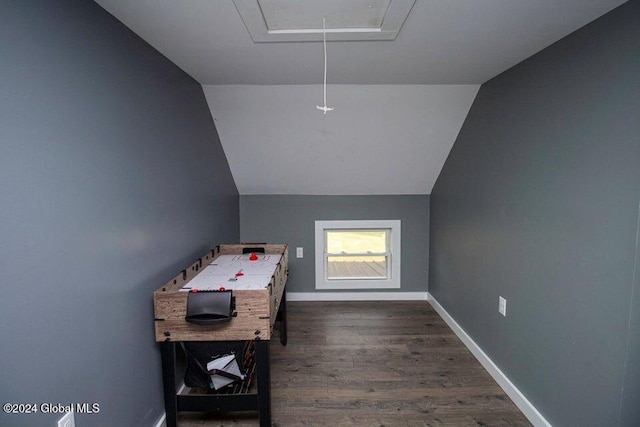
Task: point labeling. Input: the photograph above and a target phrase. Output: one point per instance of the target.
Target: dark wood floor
(374, 364)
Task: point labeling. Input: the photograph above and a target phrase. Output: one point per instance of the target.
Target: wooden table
(257, 307)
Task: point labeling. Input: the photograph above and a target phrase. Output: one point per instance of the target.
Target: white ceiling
(442, 42)
(380, 139)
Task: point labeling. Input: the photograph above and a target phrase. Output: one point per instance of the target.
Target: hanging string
(324, 43)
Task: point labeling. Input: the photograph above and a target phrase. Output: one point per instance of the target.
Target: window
(357, 254)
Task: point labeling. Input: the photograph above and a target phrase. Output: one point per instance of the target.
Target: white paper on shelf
(226, 363)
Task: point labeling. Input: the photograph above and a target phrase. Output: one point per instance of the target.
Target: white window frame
(393, 279)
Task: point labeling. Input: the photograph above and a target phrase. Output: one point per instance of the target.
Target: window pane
(357, 254)
(356, 267)
(356, 241)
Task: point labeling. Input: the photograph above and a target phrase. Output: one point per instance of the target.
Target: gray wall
(112, 179)
(538, 202)
(291, 220)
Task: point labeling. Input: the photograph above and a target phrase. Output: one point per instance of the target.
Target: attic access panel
(296, 20)
(296, 15)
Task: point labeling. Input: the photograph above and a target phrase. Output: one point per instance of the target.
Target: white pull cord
(324, 42)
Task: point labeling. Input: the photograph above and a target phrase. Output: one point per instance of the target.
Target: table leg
(168, 355)
(282, 317)
(264, 382)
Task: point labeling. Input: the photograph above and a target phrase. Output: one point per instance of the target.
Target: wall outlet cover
(502, 306)
(67, 420)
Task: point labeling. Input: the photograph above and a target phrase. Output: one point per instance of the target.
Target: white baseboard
(162, 421)
(503, 381)
(356, 296)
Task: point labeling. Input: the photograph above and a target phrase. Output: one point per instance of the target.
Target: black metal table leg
(282, 318)
(264, 382)
(168, 355)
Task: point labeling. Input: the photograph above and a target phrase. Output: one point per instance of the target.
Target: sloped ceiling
(381, 139)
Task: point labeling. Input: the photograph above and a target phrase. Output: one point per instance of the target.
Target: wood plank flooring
(374, 364)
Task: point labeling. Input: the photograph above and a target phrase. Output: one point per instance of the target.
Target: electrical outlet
(67, 421)
(299, 253)
(502, 306)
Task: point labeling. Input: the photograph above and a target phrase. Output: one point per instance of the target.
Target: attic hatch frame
(252, 15)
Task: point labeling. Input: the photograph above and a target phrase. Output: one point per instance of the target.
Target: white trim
(162, 421)
(392, 281)
(181, 388)
(356, 296)
(503, 381)
(328, 30)
(254, 20)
